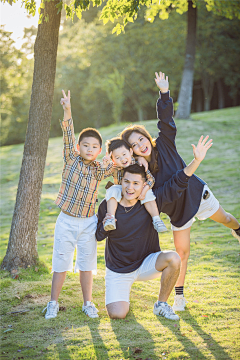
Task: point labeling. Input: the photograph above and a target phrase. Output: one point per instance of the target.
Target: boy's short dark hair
(135, 169)
(116, 143)
(90, 132)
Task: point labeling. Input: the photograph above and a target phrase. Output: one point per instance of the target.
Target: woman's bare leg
(182, 246)
(228, 220)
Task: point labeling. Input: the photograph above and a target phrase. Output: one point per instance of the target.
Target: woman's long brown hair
(140, 129)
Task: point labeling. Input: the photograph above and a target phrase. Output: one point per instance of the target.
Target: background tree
(113, 85)
(218, 51)
(22, 246)
(16, 75)
(125, 11)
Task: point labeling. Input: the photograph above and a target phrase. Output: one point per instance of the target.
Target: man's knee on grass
(118, 310)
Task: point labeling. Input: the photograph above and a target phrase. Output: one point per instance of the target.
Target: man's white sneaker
(163, 309)
(159, 225)
(90, 310)
(235, 234)
(110, 224)
(179, 303)
(52, 310)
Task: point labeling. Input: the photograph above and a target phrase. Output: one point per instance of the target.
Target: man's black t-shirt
(132, 241)
(135, 238)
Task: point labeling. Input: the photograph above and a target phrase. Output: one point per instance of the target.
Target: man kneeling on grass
(132, 251)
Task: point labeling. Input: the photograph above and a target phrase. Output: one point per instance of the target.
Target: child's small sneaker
(110, 224)
(90, 310)
(163, 309)
(179, 303)
(159, 225)
(52, 309)
(236, 234)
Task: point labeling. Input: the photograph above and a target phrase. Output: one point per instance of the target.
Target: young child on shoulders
(76, 225)
(122, 156)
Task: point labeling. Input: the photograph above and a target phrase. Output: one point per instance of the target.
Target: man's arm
(166, 124)
(67, 128)
(172, 189)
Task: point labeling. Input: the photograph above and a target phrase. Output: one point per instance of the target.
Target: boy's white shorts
(72, 232)
(118, 285)
(206, 209)
(115, 191)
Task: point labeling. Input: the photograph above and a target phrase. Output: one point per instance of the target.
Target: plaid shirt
(117, 175)
(79, 188)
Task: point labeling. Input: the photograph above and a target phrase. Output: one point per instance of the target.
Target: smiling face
(132, 185)
(122, 157)
(89, 148)
(141, 145)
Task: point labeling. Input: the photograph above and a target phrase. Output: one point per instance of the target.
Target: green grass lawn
(208, 329)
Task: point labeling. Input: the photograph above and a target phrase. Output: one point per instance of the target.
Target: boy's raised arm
(67, 127)
(66, 104)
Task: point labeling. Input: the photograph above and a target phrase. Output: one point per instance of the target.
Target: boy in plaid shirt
(77, 222)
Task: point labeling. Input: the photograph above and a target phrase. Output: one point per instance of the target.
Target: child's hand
(161, 82)
(142, 162)
(65, 101)
(106, 160)
(143, 193)
(200, 151)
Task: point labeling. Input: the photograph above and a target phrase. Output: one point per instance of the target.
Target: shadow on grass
(80, 347)
(191, 348)
(101, 351)
(134, 340)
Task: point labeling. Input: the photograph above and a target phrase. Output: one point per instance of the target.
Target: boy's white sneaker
(159, 225)
(163, 309)
(110, 224)
(90, 310)
(179, 303)
(52, 309)
(236, 235)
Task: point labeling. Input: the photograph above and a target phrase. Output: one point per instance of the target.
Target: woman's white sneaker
(90, 310)
(179, 303)
(52, 310)
(163, 309)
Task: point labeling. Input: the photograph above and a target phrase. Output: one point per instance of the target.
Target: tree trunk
(208, 84)
(197, 95)
(185, 94)
(221, 100)
(22, 245)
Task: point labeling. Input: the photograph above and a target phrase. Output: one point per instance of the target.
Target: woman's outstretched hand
(162, 82)
(202, 147)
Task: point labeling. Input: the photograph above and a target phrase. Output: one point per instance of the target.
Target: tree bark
(185, 94)
(22, 245)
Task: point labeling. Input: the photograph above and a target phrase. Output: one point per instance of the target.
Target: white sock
(155, 218)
